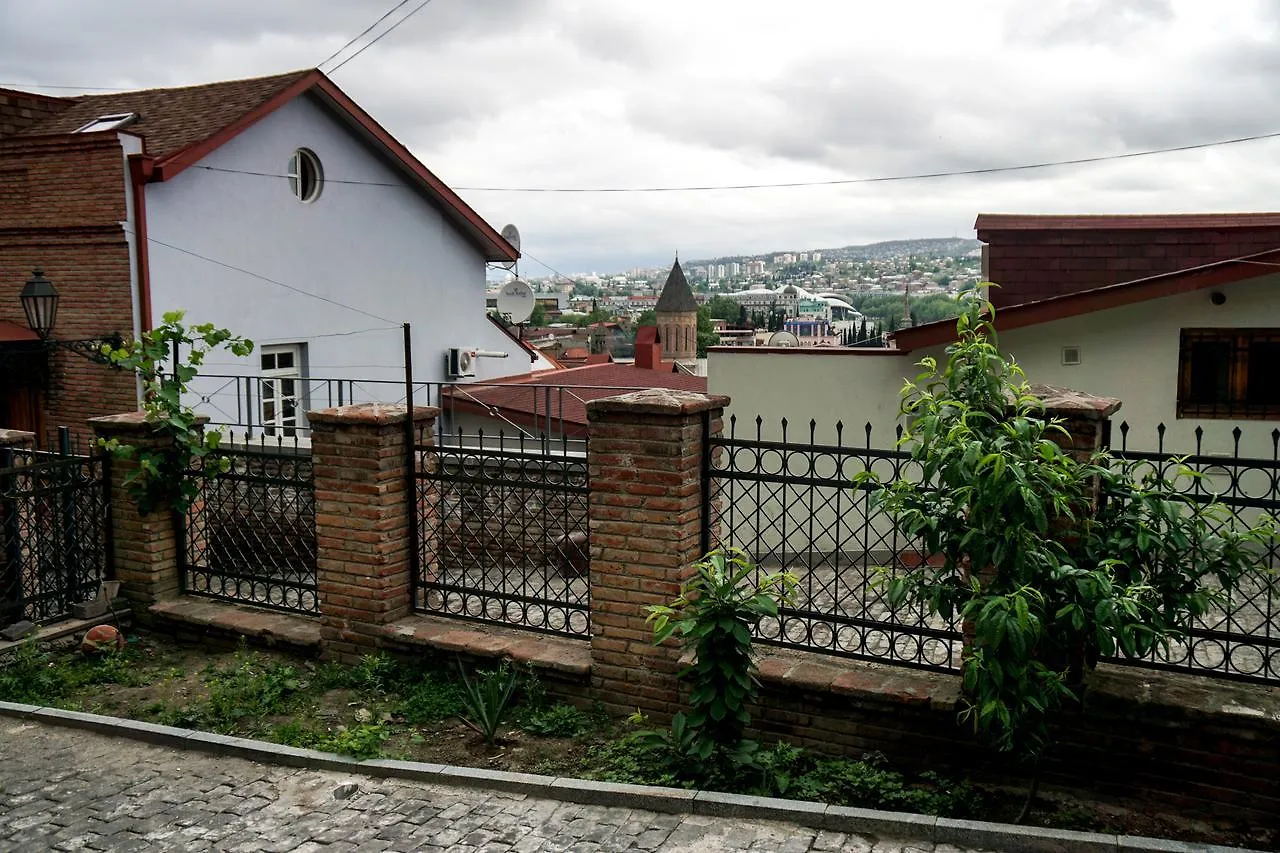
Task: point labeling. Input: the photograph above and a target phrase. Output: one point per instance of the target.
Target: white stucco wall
(1129, 352)
(384, 249)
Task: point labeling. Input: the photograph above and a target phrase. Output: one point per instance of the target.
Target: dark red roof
(523, 399)
(172, 119)
(183, 125)
(1108, 222)
(12, 332)
(1200, 277)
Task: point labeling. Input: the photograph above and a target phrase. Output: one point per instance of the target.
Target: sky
(669, 93)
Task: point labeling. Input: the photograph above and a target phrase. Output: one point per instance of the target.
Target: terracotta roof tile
(173, 119)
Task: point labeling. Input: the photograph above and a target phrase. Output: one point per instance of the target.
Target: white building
(279, 209)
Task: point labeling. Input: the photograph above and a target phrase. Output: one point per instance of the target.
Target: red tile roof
(523, 399)
(173, 119)
(1158, 221)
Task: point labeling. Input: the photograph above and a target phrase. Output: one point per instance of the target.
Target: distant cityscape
(846, 296)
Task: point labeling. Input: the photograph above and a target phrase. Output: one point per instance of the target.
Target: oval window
(305, 175)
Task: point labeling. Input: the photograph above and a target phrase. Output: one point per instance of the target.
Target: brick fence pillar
(145, 546)
(1086, 419)
(645, 459)
(363, 521)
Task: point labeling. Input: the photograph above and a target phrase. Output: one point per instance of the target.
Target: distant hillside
(923, 247)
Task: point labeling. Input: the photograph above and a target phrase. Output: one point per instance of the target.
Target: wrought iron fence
(55, 533)
(249, 406)
(250, 535)
(794, 504)
(1240, 639)
(503, 532)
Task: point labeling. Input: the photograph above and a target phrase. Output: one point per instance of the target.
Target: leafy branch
(162, 476)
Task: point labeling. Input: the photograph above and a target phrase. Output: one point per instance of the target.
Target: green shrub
(252, 687)
(431, 698)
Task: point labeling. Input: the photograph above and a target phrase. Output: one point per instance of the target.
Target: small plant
(715, 614)
(558, 720)
(488, 698)
(163, 476)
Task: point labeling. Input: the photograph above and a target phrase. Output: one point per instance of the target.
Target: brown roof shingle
(173, 119)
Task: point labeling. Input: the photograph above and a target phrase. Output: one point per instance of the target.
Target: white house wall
(1130, 353)
(384, 249)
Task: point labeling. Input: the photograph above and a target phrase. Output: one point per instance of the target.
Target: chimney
(648, 348)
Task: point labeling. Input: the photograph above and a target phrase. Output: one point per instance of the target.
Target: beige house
(1182, 323)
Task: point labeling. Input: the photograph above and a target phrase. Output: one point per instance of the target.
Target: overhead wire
(269, 280)
(881, 179)
(415, 10)
(361, 34)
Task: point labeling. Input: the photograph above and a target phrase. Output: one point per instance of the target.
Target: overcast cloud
(580, 93)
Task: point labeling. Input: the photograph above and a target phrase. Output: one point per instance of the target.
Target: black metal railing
(250, 535)
(795, 505)
(503, 531)
(239, 404)
(55, 533)
(1241, 638)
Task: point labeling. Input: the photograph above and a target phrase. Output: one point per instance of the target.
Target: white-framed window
(306, 177)
(281, 388)
(108, 122)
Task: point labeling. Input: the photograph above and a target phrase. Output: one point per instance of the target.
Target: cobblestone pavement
(63, 789)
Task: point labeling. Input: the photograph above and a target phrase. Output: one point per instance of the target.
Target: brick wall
(1033, 264)
(20, 110)
(63, 202)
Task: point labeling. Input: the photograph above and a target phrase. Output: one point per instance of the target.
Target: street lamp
(40, 303)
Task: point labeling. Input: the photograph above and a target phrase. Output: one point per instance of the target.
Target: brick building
(213, 199)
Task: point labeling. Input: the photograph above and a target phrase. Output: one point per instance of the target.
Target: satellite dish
(783, 339)
(511, 234)
(515, 301)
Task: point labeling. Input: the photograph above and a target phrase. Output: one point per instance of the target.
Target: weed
(363, 740)
(558, 720)
(31, 677)
(251, 687)
(431, 698)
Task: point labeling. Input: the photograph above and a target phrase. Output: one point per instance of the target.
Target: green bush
(488, 698)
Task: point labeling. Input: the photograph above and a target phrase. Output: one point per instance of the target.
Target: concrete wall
(1129, 352)
(384, 249)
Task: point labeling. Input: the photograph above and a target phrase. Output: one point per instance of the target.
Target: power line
(73, 88)
(1078, 161)
(261, 277)
(380, 36)
(363, 33)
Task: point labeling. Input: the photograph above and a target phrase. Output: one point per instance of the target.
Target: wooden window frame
(1236, 407)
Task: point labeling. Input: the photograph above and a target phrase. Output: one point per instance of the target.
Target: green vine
(167, 476)
(1044, 583)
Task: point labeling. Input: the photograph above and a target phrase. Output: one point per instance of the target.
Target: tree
(1046, 585)
(538, 317)
(707, 336)
(724, 308)
(648, 317)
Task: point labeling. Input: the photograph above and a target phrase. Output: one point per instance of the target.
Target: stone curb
(898, 825)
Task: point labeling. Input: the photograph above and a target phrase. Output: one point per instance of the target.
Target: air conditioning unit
(460, 362)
